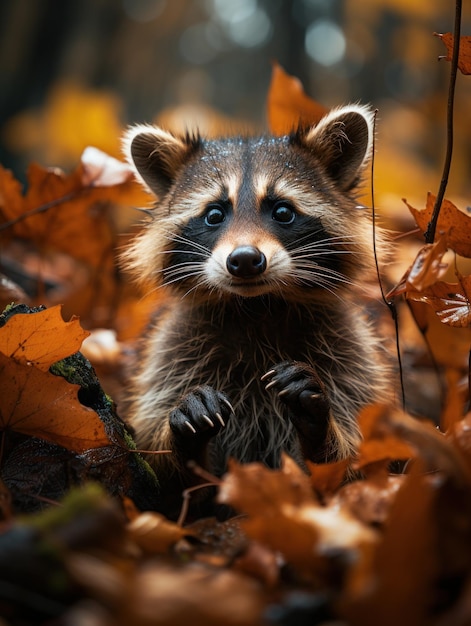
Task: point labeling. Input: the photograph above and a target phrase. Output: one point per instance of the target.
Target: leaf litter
(349, 542)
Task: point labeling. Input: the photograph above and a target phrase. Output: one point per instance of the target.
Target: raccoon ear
(156, 155)
(342, 141)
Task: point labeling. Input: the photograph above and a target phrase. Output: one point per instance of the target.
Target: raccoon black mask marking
(262, 345)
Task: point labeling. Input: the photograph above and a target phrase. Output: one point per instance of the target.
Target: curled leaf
(154, 533)
(450, 301)
(464, 57)
(426, 269)
(102, 170)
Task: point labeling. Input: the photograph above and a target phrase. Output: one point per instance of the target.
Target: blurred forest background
(74, 73)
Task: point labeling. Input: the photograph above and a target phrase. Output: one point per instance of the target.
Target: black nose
(246, 262)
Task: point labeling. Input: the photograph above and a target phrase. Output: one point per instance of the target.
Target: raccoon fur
(262, 345)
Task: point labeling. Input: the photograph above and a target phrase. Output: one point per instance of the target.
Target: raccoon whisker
(322, 270)
(183, 274)
(322, 279)
(329, 242)
(181, 277)
(317, 250)
(205, 255)
(184, 267)
(318, 253)
(189, 242)
(313, 269)
(203, 282)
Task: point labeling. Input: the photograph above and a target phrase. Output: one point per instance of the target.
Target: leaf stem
(432, 226)
(43, 208)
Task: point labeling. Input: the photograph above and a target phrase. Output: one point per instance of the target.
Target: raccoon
(262, 345)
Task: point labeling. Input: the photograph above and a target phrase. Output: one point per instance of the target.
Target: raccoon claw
(298, 385)
(190, 427)
(201, 414)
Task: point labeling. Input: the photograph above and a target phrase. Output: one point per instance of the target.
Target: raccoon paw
(200, 415)
(300, 388)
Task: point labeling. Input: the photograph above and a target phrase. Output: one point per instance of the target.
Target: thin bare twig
(389, 303)
(432, 226)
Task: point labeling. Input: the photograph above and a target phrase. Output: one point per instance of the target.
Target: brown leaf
(426, 269)
(379, 444)
(68, 213)
(57, 212)
(154, 533)
(431, 445)
(453, 223)
(454, 406)
(41, 338)
(369, 500)
(464, 57)
(160, 594)
(450, 301)
(405, 565)
(259, 562)
(39, 404)
(460, 438)
(288, 106)
(279, 505)
(327, 477)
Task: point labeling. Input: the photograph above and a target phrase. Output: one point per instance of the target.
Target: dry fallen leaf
(39, 404)
(450, 301)
(41, 338)
(154, 533)
(464, 57)
(379, 445)
(288, 106)
(426, 269)
(279, 505)
(158, 594)
(370, 501)
(405, 565)
(327, 477)
(453, 223)
(68, 213)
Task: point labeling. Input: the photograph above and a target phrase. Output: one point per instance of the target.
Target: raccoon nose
(246, 262)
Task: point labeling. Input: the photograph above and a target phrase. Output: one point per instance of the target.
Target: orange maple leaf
(41, 338)
(452, 223)
(42, 405)
(69, 213)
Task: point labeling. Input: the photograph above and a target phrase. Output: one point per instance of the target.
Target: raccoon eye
(283, 213)
(214, 216)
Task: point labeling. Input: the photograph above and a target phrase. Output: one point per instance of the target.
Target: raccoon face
(252, 216)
